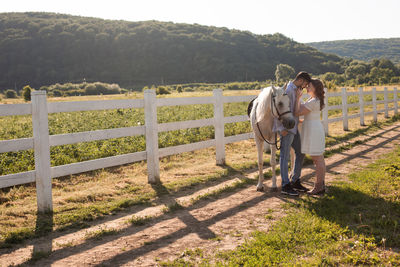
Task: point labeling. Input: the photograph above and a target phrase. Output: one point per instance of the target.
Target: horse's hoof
(274, 189)
(260, 189)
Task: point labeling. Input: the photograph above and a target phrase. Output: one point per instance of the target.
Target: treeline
(70, 89)
(99, 88)
(366, 50)
(45, 48)
(356, 72)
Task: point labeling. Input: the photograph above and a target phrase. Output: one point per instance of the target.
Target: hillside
(366, 50)
(45, 48)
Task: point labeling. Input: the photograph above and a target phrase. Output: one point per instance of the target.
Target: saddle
(250, 107)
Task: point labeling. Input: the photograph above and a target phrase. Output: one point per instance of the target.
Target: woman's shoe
(316, 192)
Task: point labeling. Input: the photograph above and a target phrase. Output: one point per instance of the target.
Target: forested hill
(366, 49)
(46, 48)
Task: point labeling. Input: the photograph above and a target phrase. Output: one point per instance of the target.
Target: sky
(302, 20)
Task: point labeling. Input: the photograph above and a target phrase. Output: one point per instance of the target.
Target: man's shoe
(298, 186)
(288, 190)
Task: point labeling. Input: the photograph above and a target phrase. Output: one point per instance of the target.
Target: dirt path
(215, 223)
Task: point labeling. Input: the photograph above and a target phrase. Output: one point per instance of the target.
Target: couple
(310, 141)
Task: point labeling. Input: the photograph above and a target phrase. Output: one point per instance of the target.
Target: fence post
(385, 95)
(150, 113)
(374, 104)
(219, 126)
(395, 101)
(361, 102)
(41, 145)
(325, 114)
(344, 110)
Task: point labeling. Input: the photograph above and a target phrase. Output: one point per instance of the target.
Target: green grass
(355, 223)
(138, 220)
(99, 234)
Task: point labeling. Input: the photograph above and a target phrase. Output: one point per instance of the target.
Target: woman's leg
(320, 170)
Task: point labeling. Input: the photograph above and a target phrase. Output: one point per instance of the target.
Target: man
(291, 138)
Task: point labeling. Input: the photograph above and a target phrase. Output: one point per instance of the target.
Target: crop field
(14, 127)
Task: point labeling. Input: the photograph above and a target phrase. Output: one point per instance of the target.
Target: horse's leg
(273, 165)
(260, 145)
(267, 147)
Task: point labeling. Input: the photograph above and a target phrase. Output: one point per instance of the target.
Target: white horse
(271, 103)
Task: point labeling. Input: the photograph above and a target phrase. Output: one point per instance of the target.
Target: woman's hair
(319, 92)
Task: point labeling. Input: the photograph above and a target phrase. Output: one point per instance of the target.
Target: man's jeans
(290, 140)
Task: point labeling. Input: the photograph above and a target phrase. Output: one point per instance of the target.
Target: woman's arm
(300, 109)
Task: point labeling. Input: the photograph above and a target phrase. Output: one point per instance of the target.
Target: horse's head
(281, 107)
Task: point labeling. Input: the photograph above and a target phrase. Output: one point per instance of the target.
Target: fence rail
(42, 141)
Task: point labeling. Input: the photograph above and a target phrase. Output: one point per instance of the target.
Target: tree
(283, 72)
(380, 76)
(353, 71)
(26, 92)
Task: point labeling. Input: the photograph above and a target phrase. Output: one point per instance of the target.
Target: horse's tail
(250, 107)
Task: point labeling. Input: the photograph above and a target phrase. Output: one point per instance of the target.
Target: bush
(233, 86)
(179, 89)
(90, 89)
(26, 93)
(395, 79)
(57, 93)
(77, 92)
(11, 93)
(162, 90)
(44, 88)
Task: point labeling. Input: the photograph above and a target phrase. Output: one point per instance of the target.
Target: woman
(312, 132)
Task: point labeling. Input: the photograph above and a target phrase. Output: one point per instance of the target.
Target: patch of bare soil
(215, 223)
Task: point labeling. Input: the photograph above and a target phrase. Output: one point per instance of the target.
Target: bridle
(273, 104)
(278, 116)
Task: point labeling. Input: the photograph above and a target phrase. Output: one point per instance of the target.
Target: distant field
(14, 127)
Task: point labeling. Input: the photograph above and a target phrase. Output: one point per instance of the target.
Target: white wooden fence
(41, 142)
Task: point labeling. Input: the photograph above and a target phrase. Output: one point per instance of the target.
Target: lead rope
(276, 137)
